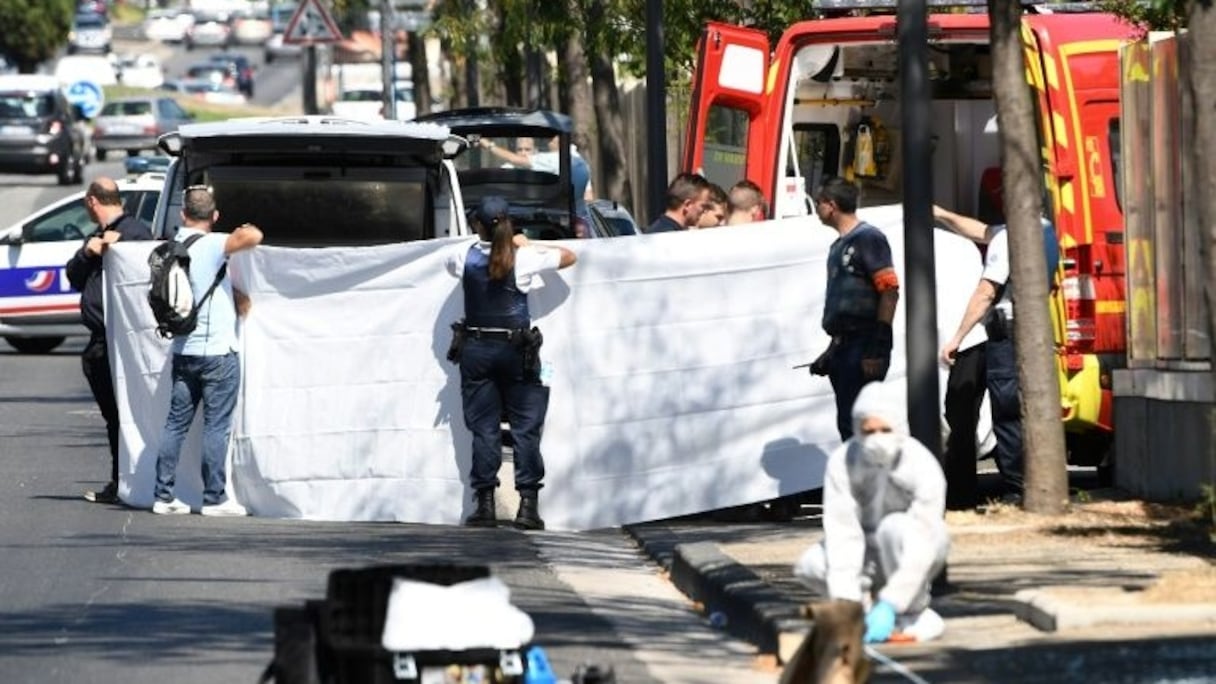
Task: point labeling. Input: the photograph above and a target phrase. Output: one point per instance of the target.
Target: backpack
(169, 292)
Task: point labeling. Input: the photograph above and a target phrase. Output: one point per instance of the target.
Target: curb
(750, 609)
(1052, 614)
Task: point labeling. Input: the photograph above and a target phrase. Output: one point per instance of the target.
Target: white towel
(476, 614)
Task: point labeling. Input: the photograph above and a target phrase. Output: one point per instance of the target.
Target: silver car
(134, 123)
(90, 32)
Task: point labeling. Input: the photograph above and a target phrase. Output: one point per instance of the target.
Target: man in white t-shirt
(991, 303)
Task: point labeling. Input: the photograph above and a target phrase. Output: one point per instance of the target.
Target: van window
(318, 206)
(724, 158)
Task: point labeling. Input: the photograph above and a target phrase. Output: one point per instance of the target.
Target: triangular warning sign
(311, 23)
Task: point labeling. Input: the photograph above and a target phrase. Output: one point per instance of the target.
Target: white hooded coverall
(885, 535)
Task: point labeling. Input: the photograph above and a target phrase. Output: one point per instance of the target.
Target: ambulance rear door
(728, 102)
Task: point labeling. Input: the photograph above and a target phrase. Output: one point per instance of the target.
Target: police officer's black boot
(528, 517)
(484, 515)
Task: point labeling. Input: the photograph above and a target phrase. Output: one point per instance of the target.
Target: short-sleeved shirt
(530, 262)
(996, 266)
(664, 224)
(851, 301)
(215, 332)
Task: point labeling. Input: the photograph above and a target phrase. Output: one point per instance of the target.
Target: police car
(38, 308)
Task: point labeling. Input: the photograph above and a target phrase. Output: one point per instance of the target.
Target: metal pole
(924, 408)
(309, 91)
(387, 54)
(656, 111)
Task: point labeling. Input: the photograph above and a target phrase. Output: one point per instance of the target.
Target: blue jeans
(215, 380)
(1006, 403)
(491, 377)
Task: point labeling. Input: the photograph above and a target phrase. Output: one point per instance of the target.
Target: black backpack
(169, 292)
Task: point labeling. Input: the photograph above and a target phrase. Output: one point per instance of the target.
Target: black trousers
(95, 360)
(964, 397)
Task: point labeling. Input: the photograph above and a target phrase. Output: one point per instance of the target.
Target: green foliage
(1206, 508)
(1150, 15)
(31, 31)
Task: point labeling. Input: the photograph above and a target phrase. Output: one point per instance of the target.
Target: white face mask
(882, 448)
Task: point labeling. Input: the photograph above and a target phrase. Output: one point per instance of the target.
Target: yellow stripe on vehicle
(1060, 129)
(1049, 70)
(1110, 307)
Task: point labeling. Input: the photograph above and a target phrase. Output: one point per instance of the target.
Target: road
(96, 593)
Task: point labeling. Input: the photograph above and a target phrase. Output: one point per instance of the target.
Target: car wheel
(78, 171)
(34, 345)
(269, 57)
(132, 153)
(101, 154)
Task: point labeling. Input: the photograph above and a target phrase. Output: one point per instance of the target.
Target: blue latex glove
(880, 622)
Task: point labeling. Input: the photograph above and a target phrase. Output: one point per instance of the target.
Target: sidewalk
(1115, 591)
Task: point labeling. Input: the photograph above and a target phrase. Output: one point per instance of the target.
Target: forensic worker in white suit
(884, 530)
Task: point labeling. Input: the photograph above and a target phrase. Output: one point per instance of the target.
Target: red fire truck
(826, 102)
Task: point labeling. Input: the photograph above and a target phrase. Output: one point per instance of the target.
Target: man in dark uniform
(859, 306)
(499, 360)
(84, 271)
(687, 195)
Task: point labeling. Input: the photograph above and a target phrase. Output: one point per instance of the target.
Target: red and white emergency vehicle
(825, 101)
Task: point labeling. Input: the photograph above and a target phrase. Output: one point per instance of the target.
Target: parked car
(38, 308)
(542, 201)
(242, 69)
(38, 129)
(90, 32)
(140, 71)
(360, 183)
(208, 30)
(616, 220)
(206, 90)
(252, 28)
(134, 123)
(276, 49)
(95, 68)
(167, 25)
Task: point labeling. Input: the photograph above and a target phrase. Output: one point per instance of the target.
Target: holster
(998, 326)
(529, 343)
(457, 346)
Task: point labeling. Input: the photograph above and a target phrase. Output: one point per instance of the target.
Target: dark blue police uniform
(850, 316)
(493, 377)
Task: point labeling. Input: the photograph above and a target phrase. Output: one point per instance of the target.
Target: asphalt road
(96, 593)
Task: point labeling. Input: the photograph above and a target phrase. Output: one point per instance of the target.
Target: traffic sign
(310, 24)
(88, 96)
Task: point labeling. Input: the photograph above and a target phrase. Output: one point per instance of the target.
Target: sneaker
(926, 625)
(227, 509)
(174, 507)
(107, 495)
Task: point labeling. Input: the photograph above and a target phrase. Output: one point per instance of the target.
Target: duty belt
(492, 333)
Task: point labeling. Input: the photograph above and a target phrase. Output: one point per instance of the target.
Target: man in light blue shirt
(205, 363)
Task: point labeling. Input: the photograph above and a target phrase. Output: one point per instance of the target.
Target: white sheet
(672, 393)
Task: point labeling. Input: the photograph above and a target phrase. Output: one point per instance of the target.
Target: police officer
(499, 362)
(84, 270)
(859, 306)
(991, 304)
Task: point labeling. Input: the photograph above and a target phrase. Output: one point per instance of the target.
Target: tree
(34, 30)
(1042, 434)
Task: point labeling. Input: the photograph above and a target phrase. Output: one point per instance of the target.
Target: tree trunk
(578, 102)
(1199, 75)
(610, 145)
(1044, 458)
(416, 52)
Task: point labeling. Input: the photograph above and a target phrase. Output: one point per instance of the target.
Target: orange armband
(885, 280)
